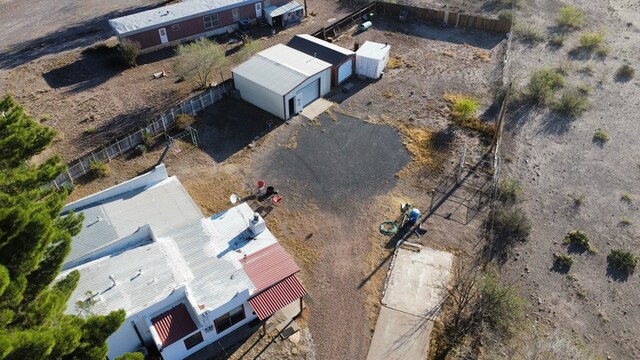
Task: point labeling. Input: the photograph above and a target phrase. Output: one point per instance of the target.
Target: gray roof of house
(280, 68)
(171, 14)
(323, 50)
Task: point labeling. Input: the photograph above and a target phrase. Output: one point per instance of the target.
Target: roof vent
(257, 224)
(113, 281)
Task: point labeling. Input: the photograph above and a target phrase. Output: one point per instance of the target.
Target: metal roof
(280, 68)
(171, 14)
(164, 206)
(324, 50)
(373, 50)
(277, 297)
(268, 266)
(274, 11)
(173, 324)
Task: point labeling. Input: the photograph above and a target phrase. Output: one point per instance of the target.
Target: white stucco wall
(124, 340)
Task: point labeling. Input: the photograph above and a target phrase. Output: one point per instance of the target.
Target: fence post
(84, 171)
(106, 150)
(69, 176)
(201, 101)
(163, 125)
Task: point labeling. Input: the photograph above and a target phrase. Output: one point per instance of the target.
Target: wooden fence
(81, 166)
(413, 13)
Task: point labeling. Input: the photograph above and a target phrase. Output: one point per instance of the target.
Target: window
(236, 14)
(175, 27)
(210, 21)
(193, 340)
(229, 319)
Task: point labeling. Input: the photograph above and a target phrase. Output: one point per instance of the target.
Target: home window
(229, 319)
(193, 340)
(175, 27)
(211, 21)
(236, 14)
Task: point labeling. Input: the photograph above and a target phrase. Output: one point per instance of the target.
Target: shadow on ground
(230, 125)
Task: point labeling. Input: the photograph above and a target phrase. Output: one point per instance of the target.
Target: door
(163, 35)
(309, 93)
(345, 70)
(258, 9)
(299, 105)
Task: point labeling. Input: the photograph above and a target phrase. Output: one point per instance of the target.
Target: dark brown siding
(191, 27)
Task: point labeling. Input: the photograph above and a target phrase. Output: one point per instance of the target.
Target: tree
(34, 240)
(248, 49)
(199, 60)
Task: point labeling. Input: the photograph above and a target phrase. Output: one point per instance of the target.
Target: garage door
(310, 92)
(345, 70)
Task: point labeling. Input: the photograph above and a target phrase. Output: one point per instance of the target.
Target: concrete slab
(415, 285)
(400, 336)
(316, 108)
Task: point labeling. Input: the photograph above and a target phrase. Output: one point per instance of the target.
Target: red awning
(173, 324)
(277, 297)
(269, 266)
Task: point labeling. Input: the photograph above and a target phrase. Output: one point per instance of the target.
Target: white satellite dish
(233, 198)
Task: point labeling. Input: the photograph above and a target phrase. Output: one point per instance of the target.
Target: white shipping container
(371, 59)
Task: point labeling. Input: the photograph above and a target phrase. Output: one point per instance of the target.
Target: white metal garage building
(282, 80)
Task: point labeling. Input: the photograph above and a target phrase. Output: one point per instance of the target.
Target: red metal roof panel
(269, 266)
(173, 324)
(277, 297)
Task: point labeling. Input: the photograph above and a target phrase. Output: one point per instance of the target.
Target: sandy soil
(555, 159)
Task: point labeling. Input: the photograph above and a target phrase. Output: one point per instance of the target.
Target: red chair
(261, 186)
(276, 200)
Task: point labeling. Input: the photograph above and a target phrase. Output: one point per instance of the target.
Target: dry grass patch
(481, 55)
(395, 62)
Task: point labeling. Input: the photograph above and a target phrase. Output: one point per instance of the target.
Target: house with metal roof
(282, 80)
(342, 60)
(184, 280)
(189, 20)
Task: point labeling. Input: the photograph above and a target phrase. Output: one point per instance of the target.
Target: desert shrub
(625, 72)
(577, 237)
(603, 51)
(183, 121)
(623, 260)
(516, 3)
(465, 108)
(506, 15)
(626, 221)
(509, 190)
(600, 136)
(578, 199)
(543, 84)
(528, 33)
(564, 260)
(591, 39)
(570, 17)
(511, 223)
(129, 51)
(626, 197)
(584, 89)
(500, 305)
(147, 139)
(141, 149)
(557, 40)
(98, 168)
(564, 67)
(571, 103)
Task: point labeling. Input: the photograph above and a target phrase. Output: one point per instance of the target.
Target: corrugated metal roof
(269, 266)
(163, 206)
(171, 14)
(280, 68)
(373, 50)
(274, 11)
(277, 297)
(173, 324)
(324, 50)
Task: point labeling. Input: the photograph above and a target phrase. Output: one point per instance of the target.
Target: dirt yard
(558, 161)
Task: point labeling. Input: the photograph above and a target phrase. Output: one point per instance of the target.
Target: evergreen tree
(34, 240)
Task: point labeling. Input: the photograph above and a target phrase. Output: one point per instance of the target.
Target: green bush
(623, 260)
(570, 17)
(183, 121)
(147, 139)
(511, 223)
(509, 190)
(625, 72)
(591, 40)
(601, 136)
(506, 15)
(141, 149)
(129, 51)
(564, 260)
(543, 84)
(500, 306)
(98, 168)
(603, 51)
(528, 33)
(577, 237)
(571, 103)
(516, 3)
(465, 108)
(557, 40)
